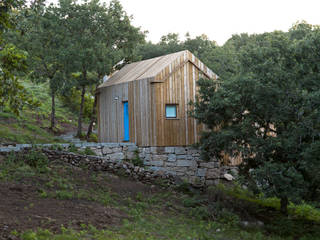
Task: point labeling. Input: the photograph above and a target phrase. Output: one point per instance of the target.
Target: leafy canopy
(268, 114)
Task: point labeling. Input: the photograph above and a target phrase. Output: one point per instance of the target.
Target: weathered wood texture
(165, 80)
(176, 84)
(110, 123)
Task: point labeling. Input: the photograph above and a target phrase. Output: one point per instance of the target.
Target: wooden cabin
(147, 102)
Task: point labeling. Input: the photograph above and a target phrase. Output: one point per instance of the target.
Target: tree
(96, 38)
(268, 114)
(12, 63)
(42, 37)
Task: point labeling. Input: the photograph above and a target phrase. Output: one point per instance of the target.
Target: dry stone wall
(170, 163)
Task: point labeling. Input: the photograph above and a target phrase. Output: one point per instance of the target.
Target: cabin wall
(147, 98)
(140, 109)
(110, 113)
(110, 124)
(176, 84)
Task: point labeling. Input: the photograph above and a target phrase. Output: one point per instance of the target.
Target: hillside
(51, 201)
(32, 126)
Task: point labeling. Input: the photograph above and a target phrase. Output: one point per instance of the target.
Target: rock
(172, 157)
(209, 164)
(213, 174)
(159, 158)
(229, 177)
(106, 150)
(186, 163)
(169, 149)
(201, 172)
(157, 163)
(180, 150)
(117, 156)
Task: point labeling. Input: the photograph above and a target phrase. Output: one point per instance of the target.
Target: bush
(137, 161)
(36, 159)
(73, 148)
(88, 151)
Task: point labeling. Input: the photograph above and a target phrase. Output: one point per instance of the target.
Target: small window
(171, 111)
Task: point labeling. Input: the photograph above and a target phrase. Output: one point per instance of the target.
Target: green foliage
(64, 194)
(36, 159)
(267, 115)
(72, 99)
(137, 161)
(73, 148)
(12, 63)
(88, 151)
(31, 126)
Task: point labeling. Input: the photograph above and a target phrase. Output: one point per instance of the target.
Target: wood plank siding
(148, 86)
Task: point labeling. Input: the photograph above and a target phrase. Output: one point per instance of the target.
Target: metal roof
(141, 70)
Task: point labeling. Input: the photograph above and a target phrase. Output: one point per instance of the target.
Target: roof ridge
(161, 57)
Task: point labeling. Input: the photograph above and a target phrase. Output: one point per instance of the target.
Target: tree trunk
(284, 205)
(79, 132)
(93, 115)
(53, 110)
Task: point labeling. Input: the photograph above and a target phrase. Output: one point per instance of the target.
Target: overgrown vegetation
(267, 114)
(146, 212)
(32, 125)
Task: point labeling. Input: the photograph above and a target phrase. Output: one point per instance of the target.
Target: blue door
(126, 121)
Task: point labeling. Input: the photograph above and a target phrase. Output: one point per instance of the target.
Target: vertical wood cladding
(173, 84)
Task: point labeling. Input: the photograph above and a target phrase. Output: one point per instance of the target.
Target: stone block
(132, 148)
(148, 157)
(180, 150)
(97, 152)
(182, 157)
(169, 149)
(171, 172)
(159, 157)
(142, 155)
(192, 151)
(117, 156)
(157, 163)
(145, 150)
(116, 149)
(172, 157)
(201, 172)
(213, 174)
(181, 169)
(157, 169)
(186, 163)
(191, 173)
(209, 164)
(170, 164)
(106, 150)
(154, 150)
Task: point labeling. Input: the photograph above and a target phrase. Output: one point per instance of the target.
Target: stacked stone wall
(170, 163)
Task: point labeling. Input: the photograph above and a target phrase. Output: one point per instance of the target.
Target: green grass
(159, 215)
(31, 126)
(303, 210)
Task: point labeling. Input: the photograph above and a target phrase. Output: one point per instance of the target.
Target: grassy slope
(32, 125)
(147, 213)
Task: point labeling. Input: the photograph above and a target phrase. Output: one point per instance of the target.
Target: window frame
(176, 110)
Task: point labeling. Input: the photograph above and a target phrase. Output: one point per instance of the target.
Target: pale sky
(218, 19)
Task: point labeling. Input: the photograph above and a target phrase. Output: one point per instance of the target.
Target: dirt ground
(22, 208)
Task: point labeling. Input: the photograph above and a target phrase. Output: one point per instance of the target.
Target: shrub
(137, 161)
(88, 151)
(64, 194)
(36, 159)
(73, 148)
